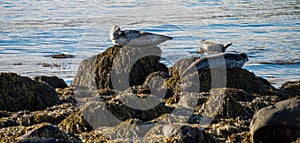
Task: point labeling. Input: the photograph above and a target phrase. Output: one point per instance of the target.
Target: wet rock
(145, 108)
(66, 95)
(4, 113)
(131, 129)
(221, 103)
(84, 83)
(53, 115)
(10, 134)
(54, 81)
(291, 88)
(239, 94)
(179, 67)
(277, 123)
(61, 56)
(175, 133)
(229, 130)
(75, 123)
(47, 133)
(122, 107)
(94, 136)
(263, 101)
(154, 84)
(118, 68)
(22, 93)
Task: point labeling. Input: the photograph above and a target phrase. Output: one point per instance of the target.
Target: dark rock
(4, 113)
(38, 140)
(84, 83)
(263, 101)
(243, 79)
(121, 108)
(131, 130)
(175, 133)
(22, 93)
(229, 130)
(61, 56)
(222, 103)
(118, 68)
(66, 95)
(154, 84)
(277, 123)
(54, 81)
(47, 133)
(53, 115)
(291, 87)
(239, 94)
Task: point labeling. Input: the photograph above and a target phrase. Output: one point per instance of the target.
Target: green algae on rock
(22, 93)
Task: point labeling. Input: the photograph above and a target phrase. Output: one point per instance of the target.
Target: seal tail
(225, 46)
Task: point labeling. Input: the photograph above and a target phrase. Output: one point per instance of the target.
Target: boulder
(47, 133)
(291, 87)
(54, 81)
(277, 123)
(118, 68)
(22, 93)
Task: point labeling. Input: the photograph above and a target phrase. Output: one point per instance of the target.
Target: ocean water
(267, 31)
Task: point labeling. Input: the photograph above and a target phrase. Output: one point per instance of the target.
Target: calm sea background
(267, 31)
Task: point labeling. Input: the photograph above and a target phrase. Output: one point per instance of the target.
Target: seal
(135, 38)
(230, 60)
(213, 47)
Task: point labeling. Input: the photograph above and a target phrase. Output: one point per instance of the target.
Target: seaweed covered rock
(118, 68)
(230, 107)
(243, 79)
(291, 87)
(131, 130)
(206, 79)
(75, 123)
(22, 93)
(175, 133)
(53, 115)
(277, 123)
(121, 108)
(47, 133)
(54, 81)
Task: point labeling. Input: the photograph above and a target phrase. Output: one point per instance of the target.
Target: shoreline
(64, 118)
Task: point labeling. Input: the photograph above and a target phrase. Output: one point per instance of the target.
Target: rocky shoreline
(127, 95)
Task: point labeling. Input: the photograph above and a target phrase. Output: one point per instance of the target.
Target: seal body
(230, 60)
(135, 38)
(219, 61)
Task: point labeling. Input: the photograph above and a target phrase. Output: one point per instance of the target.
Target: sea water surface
(267, 31)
